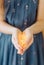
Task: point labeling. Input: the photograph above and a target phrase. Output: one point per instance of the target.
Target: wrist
(31, 31)
(14, 30)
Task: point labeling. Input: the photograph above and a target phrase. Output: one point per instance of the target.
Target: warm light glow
(22, 39)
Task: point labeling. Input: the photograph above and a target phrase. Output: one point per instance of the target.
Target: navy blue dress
(21, 14)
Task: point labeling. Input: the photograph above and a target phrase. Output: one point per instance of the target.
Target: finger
(16, 39)
(20, 52)
(17, 46)
(29, 44)
(15, 43)
(29, 39)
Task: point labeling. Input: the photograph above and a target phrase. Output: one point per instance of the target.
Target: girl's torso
(21, 13)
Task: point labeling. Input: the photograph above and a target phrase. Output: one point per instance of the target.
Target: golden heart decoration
(22, 39)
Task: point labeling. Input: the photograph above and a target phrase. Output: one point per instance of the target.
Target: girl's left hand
(29, 39)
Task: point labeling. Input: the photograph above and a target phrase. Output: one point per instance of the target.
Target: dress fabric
(21, 14)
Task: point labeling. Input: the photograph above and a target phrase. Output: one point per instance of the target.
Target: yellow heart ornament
(22, 39)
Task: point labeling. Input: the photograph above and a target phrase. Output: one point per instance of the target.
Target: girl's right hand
(15, 40)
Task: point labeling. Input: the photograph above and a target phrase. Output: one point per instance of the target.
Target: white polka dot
(18, 4)
(34, 1)
(26, 7)
(8, 1)
(25, 23)
(22, 58)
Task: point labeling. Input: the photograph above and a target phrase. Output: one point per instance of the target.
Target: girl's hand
(15, 40)
(29, 39)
